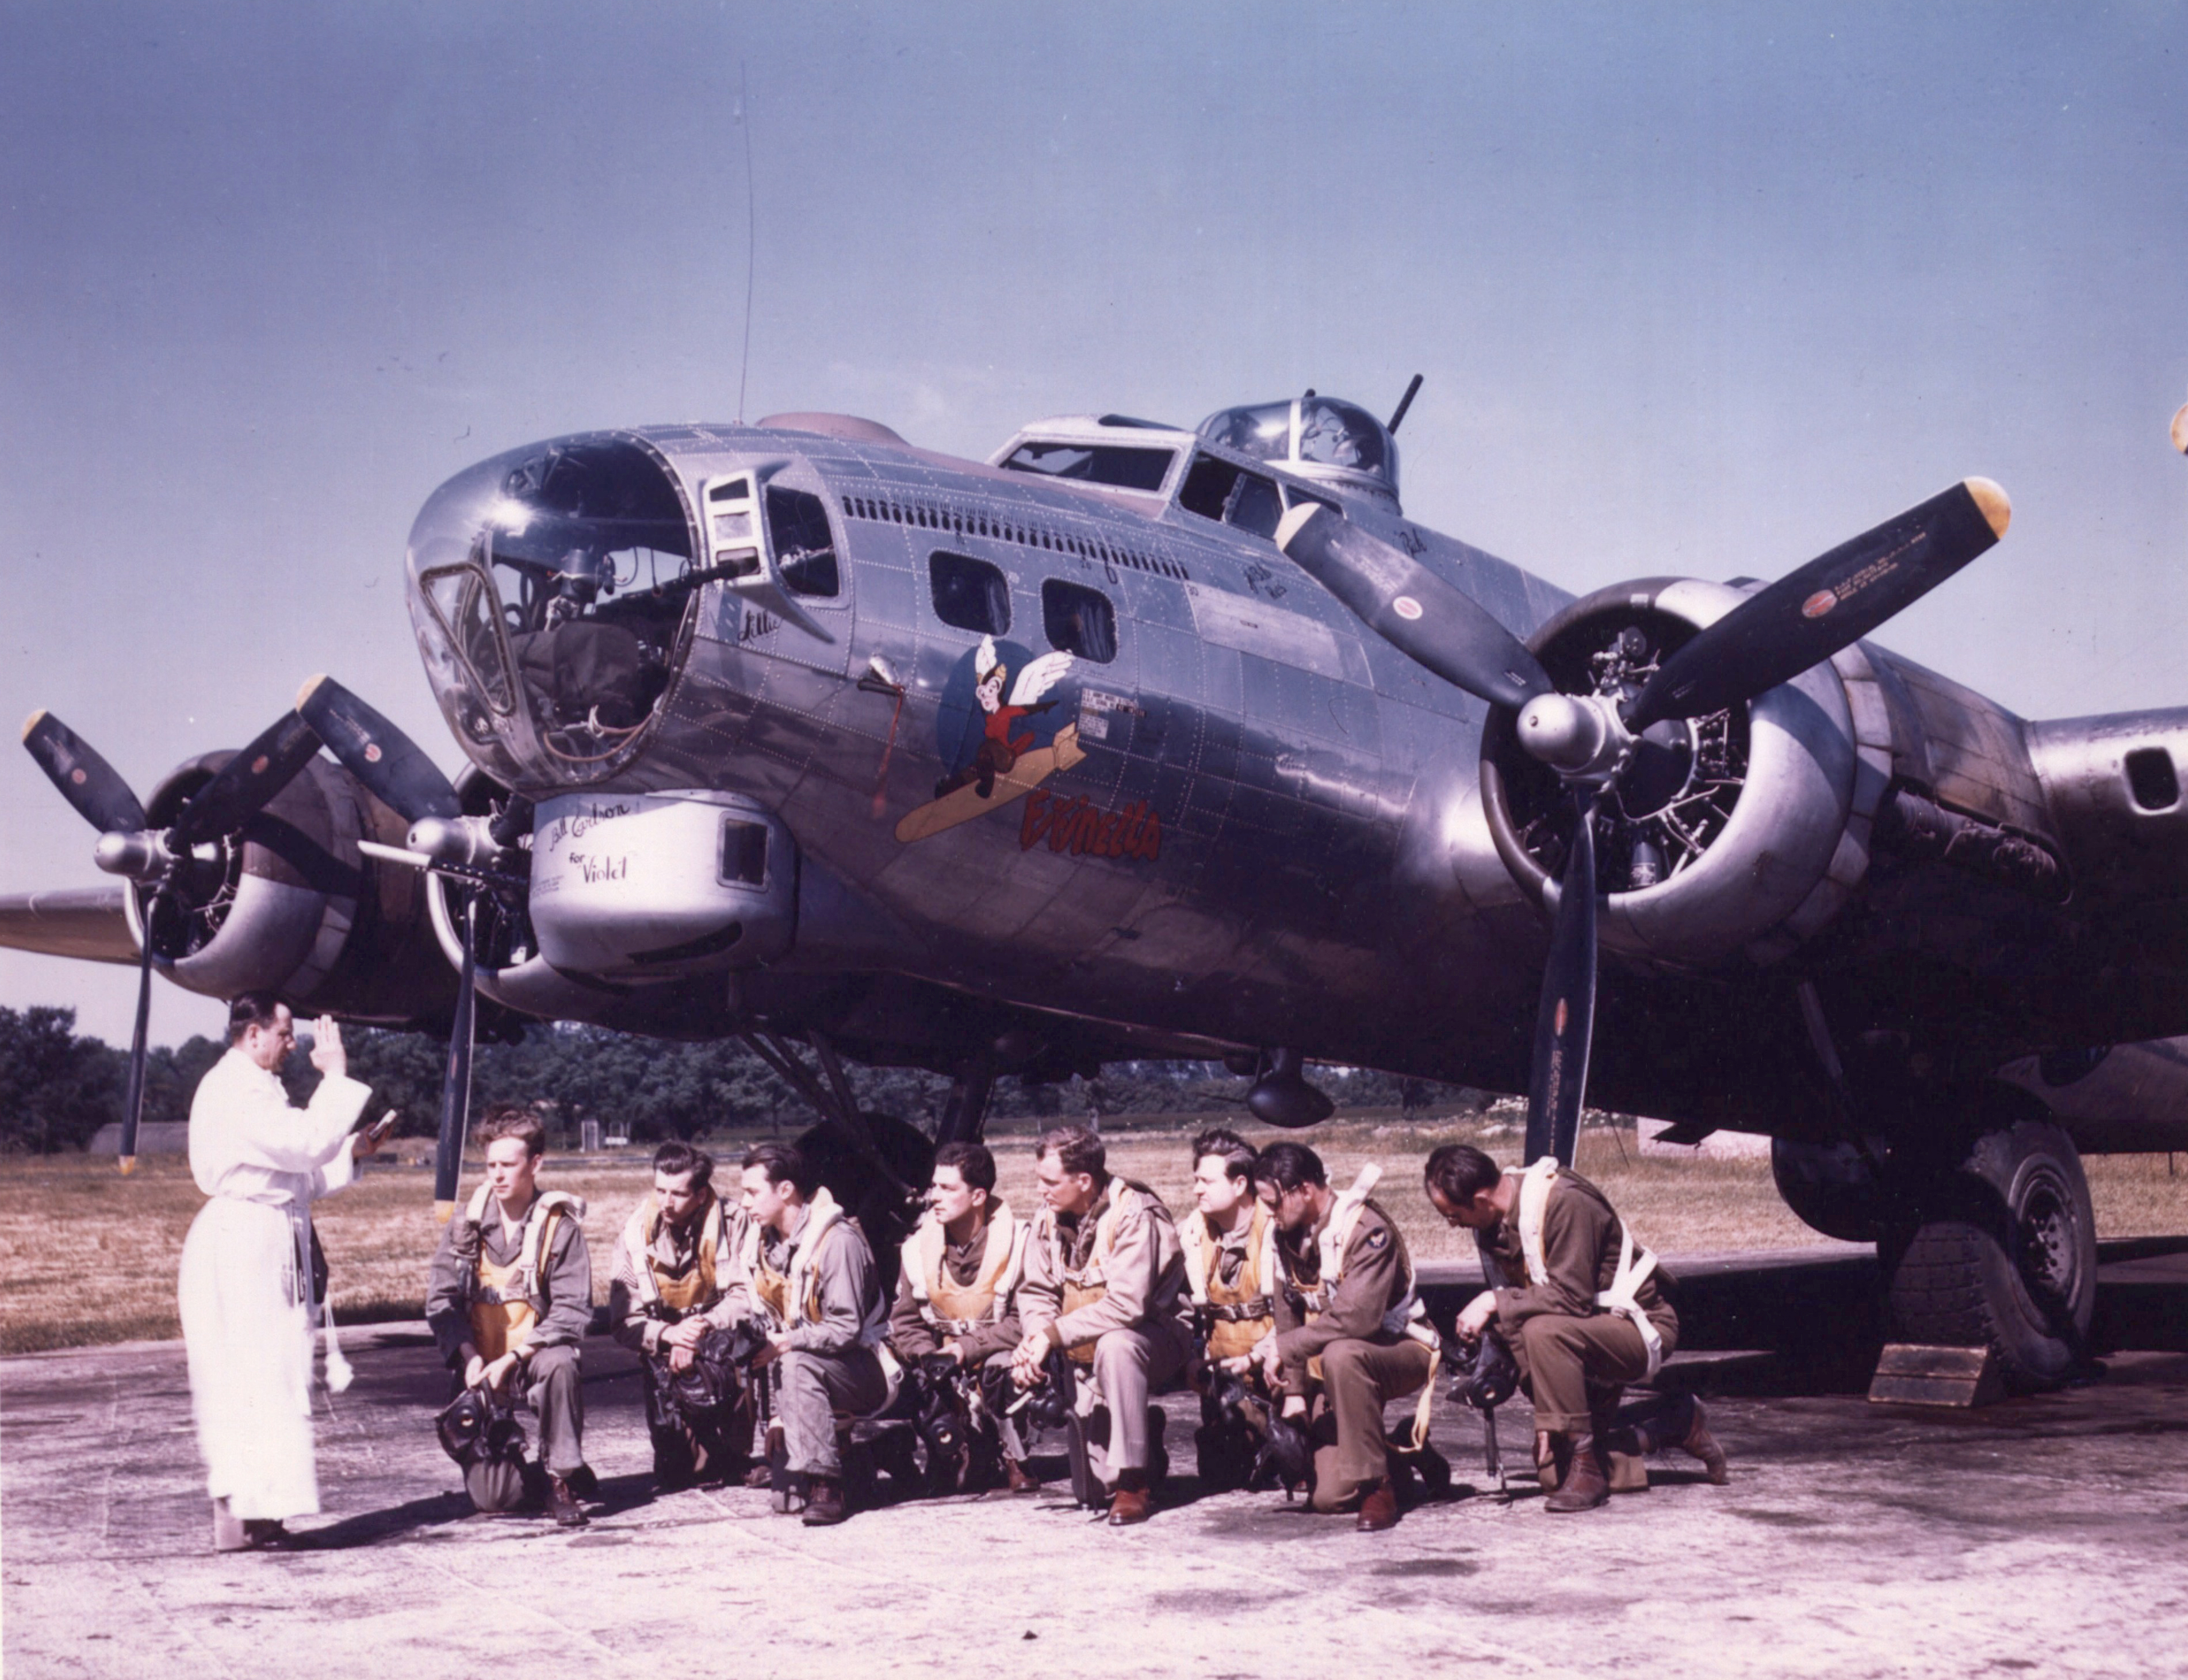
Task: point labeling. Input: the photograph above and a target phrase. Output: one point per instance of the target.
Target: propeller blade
(86, 780)
(1428, 620)
(1831, 602)
(376, 752)
(132, 1103)
(456, 1087)
(1566, 1021)
(248, 782)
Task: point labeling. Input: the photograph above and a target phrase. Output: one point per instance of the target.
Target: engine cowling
(1751, 827)
(290, 905)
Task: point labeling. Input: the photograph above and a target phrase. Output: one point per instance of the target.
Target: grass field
(87, 1255)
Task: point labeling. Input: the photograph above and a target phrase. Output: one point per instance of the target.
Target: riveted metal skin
(1242, 817)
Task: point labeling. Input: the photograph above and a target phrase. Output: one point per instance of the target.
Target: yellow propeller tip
(304, 693)
(444, 1211)
(32, 722)
(128, 1165)
(2180, 429)
(1997, 507)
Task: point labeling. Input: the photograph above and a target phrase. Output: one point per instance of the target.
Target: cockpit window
(1117, 464)
(1215, 489)
(969, 594)
(1079, 620)
(804, 549)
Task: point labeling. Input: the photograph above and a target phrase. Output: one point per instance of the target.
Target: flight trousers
(810, 1389)
(1359, 1380)
(1560, 1358)
(554, 1393)
(1129, 1366)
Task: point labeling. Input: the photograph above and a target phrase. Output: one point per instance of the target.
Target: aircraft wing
(85, 922)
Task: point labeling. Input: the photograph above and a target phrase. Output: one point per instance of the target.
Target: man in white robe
(246, 1282)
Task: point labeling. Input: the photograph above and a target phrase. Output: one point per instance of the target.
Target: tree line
(58, 1087)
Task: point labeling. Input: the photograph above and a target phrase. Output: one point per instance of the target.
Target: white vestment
(246, 1279)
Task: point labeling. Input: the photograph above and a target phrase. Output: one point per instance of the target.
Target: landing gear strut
(876, 1165)
(965, 1115)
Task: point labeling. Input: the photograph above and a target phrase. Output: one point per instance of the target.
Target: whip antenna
(744, 122)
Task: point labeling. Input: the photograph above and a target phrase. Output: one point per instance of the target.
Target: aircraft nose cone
(443, 840)
(1565, 733)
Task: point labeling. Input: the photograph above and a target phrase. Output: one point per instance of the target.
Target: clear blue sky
(1696, 289)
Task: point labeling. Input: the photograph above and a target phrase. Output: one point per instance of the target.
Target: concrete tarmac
(2043, 1534)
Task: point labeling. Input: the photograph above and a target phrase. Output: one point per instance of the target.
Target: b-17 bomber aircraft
(1134, 740)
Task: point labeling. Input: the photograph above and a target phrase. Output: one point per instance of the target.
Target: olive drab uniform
(664, 1276)
(530, 1293)
(1352, 1300)
(819, 1289)
(1109, 1288)
(1578, 1300)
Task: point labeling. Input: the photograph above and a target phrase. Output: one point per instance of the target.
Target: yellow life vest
(955, 1308)
(506, 1300)
(1086, 1284)
(694, 1289)
(1237, 1315)
(789, 1296)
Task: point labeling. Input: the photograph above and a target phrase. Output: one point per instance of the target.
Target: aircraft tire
(2003, 1255)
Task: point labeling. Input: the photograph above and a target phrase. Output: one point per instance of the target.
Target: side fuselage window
(1079, 620)
(1215, 489)
(969, 594)
(804, 548)
(1126, 468)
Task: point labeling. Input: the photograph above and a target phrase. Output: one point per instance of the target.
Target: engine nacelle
(1749, 828)
(632, 891)
(292, 906)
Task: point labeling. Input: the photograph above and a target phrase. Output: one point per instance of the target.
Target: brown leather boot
(825, 1505)
(562, 1504)
(1699, 1443)
(1553, 1459)
(1379, 1510)
(1685, 1425)
(1130, 1503)
(1020, 1479)
(1584, 1485)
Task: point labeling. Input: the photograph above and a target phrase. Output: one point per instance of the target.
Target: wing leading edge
(85, 922)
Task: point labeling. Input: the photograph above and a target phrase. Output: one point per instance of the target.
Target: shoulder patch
(1380, 1237)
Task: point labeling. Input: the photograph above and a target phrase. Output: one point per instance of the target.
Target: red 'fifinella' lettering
(1076, 825)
